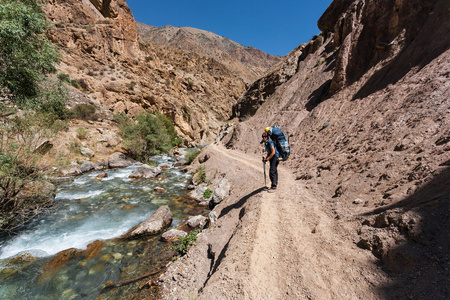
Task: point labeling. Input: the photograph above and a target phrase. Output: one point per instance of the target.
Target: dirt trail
(283, 245)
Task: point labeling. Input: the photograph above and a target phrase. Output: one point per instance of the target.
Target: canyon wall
(366, 107)
(119, 72)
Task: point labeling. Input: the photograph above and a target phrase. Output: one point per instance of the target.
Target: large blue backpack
(281, 142)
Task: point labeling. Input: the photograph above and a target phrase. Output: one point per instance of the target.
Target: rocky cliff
(102, 52)
(366, 106)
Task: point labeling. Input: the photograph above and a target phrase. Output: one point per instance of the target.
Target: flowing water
(74, 250)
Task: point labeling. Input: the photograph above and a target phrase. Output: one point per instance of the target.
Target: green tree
(148, 135)
(26, 54)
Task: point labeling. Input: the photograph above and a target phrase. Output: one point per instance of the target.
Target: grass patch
(82, 133)
(201, 175)
(207, 194)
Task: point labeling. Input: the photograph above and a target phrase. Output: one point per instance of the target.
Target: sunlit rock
(198, 193)
(172, 234)
(160, 219)
(222, 191)
(164, 166)
(102, 175)
(71, 170)
(119, 160)
(87, 166)
(87, 152)
(145, 171)
(197, 221)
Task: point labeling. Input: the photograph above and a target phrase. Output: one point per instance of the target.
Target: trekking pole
(265, 184)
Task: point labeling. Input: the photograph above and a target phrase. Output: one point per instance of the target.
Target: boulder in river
(71, 170)
(145, 171)
(119, 160)
(87, 166)
(198, 194)
(160, 219)
(172, 235)
(102, 175)
(197, 222)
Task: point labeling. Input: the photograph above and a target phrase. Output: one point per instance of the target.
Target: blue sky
(275, 27)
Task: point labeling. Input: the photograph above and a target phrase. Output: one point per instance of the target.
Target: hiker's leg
(273, 174)
(275, 181)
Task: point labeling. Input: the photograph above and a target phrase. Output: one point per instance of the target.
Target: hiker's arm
(272, 153)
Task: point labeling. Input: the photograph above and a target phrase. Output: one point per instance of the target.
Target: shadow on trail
(241, 202)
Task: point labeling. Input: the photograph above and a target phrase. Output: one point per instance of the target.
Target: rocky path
(283, 245)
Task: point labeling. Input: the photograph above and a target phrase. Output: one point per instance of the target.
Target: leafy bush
(208, 193)
(74, 83)
(184, 243)
(85, 111)
(26, 53)
(52, 102)
(63, 77)
(148, 135)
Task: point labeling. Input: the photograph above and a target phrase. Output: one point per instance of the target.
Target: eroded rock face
(103, 53)
(247, 63)
(367, 32)
(380, 81)
(160, 219)
(264, 88)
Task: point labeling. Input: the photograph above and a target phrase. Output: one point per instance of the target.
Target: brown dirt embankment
(279, 245)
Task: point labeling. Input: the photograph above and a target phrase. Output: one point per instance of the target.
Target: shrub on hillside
(19, 138)
(148, 135)
(85, 111)
(52, 101)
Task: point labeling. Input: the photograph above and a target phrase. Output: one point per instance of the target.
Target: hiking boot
(272, 190)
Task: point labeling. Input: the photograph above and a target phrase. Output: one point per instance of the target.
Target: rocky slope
(366, 106)
(103, 54)
(247, 62)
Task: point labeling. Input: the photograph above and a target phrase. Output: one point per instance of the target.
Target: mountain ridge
(248, 62)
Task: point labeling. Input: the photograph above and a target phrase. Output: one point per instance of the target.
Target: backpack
(281, 143)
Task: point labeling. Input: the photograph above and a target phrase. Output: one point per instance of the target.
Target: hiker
(280, 141)
(272, 157)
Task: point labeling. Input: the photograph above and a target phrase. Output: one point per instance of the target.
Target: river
(72, 251)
